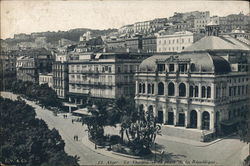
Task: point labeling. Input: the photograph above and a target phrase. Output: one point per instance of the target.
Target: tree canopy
(25, 140)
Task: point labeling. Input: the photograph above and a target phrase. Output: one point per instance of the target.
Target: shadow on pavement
(160, 155)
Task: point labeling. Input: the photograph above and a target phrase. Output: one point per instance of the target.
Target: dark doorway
(205, 120)
(170, 118)
(160, 117)
(193, 119)
(181, 119)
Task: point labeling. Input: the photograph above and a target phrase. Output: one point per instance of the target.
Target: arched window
(196, 91)
(208, 92)
(160, 88)
(140, 88)
(143, 88)
(182, 89)
(191, 91)
(153, 89)
(171, 89)
(203, 91)
(149, 88)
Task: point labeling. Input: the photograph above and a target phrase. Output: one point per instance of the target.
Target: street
(226, 151)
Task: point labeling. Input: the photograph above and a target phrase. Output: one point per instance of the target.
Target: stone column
(187, 90)
(165, 115)
(213, 91)
(146, 87)
(136, 88)
(175, 117)
(212, 119)
(155, 88)
(187, 118)
(176, 67)
(199, 90)
(69, 109)
(154, 111)
(81, 101)
(199, 119)
(176, 85)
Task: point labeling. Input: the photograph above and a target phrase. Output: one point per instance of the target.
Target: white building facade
(176, 42)
(192, 90)
(46, 78)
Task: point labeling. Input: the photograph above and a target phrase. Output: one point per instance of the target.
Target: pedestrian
(77, 138)
(72, 121)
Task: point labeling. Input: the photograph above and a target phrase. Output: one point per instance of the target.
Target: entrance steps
(182, 132)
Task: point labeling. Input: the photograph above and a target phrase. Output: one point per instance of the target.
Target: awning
(83, 111)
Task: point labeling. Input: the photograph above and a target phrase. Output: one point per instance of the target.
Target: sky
(27, 16)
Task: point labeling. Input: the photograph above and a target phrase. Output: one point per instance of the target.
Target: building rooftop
(200, 62)
(214, 43)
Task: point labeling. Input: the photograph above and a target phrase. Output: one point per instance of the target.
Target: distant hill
(53, 37)
(74, 34)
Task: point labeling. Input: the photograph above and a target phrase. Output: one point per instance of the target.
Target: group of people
(65, 116)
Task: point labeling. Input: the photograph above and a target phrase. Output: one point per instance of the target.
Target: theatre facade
(205, 88)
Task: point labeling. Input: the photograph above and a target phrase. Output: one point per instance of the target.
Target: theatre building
(203, 90)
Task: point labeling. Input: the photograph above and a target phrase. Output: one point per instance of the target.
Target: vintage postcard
(108, 82)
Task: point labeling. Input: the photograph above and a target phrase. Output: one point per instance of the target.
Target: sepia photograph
(124, 82)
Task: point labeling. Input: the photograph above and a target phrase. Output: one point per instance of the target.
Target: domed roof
(200, 62)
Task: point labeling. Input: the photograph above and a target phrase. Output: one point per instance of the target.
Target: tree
(141, 131)
(244, 127)
(43, 93)
(26, 140)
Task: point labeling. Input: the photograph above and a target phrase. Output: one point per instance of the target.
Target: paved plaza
(227, 151)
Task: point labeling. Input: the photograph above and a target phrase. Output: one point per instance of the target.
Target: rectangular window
(171, 67)
(110, 69)
(119, 69)
(161, 67)
(125, 68)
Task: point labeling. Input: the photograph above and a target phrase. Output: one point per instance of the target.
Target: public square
(227, 151)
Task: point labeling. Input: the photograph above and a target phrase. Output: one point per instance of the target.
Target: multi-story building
(7, 69)
(175, 42)
(126, 29)
(149, 44)
(131, 44)
(200, 23)
(151, 26)
(60, 75)
(26, 69)
(31, 63)
(234, 21)
(46, 78)
(206, 87)
(103, 75)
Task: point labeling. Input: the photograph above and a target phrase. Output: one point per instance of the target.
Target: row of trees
(25, 140)
(139, 128)
(42, 93)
